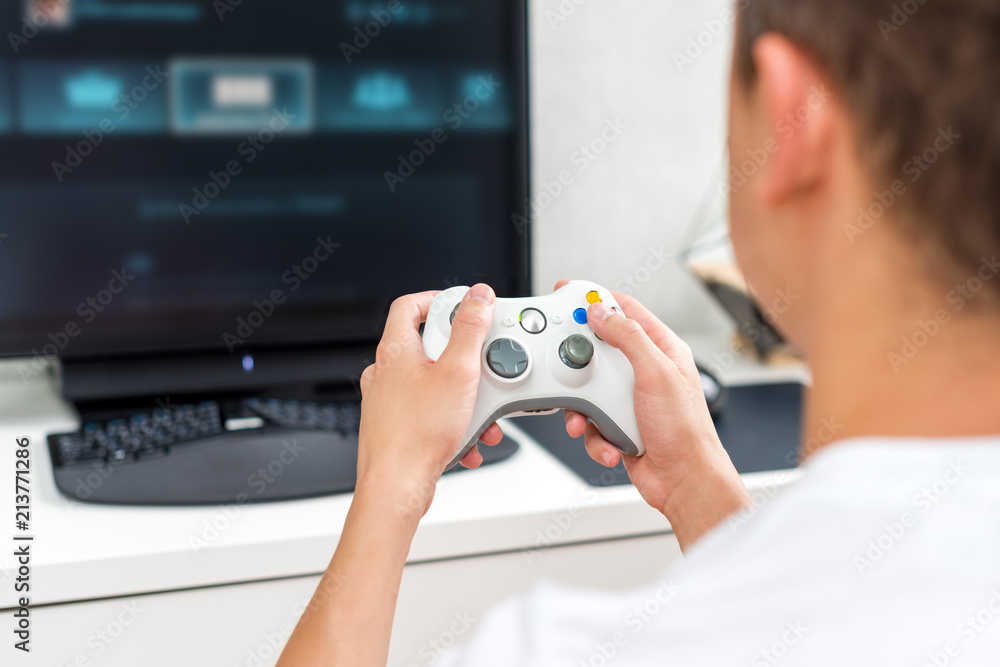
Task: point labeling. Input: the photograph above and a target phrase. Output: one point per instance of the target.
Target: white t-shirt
(886, 552)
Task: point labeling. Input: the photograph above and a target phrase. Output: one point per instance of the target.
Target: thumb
(628, 336)
(471, 324)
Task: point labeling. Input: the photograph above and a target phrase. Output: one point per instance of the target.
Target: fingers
(473, 459)
(600, 449)
(492, 436)
(648, 361)
(403, 323)
(576, 424)
(561, 284)
(468, 331)
(661, 335)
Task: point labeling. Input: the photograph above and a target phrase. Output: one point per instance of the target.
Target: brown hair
(910, 71)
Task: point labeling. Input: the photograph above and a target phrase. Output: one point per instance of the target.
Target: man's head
(860, 124)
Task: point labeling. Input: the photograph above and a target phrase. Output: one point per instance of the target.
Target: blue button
(580, 315)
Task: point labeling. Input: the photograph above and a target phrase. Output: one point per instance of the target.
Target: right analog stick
(576, 351)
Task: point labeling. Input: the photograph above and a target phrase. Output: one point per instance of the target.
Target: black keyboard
(207, 452)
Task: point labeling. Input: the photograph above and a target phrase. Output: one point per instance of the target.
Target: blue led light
(580, 315)
(247, 363)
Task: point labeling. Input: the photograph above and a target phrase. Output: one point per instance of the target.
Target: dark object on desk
(214, 452)
(725, 282)
(749, 319)
(759, 427)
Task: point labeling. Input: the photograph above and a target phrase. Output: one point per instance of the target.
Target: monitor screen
(197, 175)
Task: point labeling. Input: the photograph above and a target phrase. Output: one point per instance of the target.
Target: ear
(795, 101)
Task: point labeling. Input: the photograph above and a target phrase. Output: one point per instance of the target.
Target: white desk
(217, 584)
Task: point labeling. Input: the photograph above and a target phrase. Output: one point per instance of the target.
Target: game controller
(540, 356)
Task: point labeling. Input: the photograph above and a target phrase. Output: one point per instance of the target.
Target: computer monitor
(217, 177)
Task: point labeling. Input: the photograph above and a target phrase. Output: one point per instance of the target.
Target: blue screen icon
(381, 92)
(92, 90)
(380, 99)
(64, 97)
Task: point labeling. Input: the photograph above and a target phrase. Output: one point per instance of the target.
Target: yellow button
(593, 297)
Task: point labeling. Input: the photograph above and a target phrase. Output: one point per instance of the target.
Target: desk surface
(83, 551)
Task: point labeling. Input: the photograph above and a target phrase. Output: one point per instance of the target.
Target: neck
(900, 357)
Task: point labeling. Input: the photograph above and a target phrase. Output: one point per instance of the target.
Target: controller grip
(608, 427)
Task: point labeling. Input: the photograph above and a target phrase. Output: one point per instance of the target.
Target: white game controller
(540, 356)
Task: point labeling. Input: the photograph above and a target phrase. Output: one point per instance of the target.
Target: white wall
(613, 59)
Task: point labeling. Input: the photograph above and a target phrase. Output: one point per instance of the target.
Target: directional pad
(507, 358)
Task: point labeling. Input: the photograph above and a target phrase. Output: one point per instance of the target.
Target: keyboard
(216, 451)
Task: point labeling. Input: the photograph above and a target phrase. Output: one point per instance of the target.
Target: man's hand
(685, 474)
(415, 412)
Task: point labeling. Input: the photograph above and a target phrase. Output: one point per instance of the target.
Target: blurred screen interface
(172, 167)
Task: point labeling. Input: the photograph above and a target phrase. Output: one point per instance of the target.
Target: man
(877, 204)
